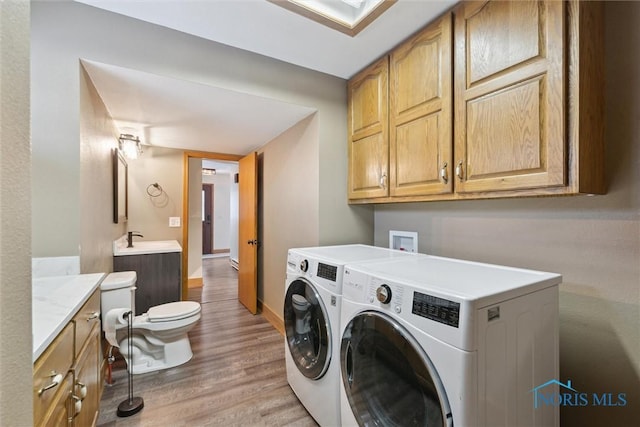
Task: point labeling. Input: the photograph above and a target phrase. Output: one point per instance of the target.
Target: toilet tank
(117, 290)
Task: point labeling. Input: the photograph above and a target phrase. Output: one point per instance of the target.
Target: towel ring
(154, 190)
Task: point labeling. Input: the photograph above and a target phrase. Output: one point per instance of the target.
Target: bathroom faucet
(130, 235)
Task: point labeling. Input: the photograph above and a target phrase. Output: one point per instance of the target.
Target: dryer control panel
(387, 295)
(427, 309)
(438, 309)
(322, 273)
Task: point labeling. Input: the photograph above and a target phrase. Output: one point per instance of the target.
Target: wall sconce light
(130, 145)
(207, 171)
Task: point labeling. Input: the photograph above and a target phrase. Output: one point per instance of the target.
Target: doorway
(195, 216)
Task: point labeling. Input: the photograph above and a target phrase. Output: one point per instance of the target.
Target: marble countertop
(144, 247)
(55, 300)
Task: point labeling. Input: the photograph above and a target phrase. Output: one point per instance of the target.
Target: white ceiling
(181, 114)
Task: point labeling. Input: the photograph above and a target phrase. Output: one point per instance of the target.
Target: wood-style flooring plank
(237, 375)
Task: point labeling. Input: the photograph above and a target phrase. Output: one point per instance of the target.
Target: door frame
(188, 154)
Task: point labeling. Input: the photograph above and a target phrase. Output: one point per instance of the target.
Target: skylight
(347, 16)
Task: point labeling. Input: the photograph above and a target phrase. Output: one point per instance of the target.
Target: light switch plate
(174, 221)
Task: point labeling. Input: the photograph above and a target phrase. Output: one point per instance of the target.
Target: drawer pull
(77, 405)
(93, 316)
(56, 379)
(82, 388)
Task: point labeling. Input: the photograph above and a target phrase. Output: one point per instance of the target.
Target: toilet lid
(173, 311)
(117, 280)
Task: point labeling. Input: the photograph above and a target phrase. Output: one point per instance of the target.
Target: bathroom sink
(141, 247)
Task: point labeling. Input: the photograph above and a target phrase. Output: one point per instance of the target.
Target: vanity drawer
(60, 410)
(86, 319)
(55, 361)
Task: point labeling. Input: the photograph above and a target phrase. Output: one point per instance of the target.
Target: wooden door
(207, 221)
(248, 232)
(368, 129)
(509, 95)
(420, 113)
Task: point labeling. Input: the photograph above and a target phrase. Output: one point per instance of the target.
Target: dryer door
(307, 327)
(388, 378)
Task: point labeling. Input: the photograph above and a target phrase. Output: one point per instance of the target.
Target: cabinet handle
(77, 405)
(93, 316)
(56, 379)
(459, 171)
(443, 173)
(383, 181)
(82, 388)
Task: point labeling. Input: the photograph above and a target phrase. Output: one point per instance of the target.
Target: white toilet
(160, 339)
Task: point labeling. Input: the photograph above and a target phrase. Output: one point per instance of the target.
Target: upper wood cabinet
(509, 96)
(510, 105)
(368, 124)
(420, 113)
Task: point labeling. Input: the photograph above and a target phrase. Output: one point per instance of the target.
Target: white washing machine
(313, 295)
(431, 341)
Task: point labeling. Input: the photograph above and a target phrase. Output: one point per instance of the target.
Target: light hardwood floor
(236, 377)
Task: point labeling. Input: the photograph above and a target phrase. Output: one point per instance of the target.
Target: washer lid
(117, 280)
(173, 311)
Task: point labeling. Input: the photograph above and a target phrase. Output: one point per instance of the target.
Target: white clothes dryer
(312, 302)
(430, 341)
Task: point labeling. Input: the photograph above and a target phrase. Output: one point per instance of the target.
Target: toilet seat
(172, 311)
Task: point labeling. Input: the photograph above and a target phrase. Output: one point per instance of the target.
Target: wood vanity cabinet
(368, 123)
(74, 355)
(159, 277)
(53, 379)
(524, 115)
(87, 383)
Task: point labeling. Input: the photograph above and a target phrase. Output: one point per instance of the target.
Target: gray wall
(222, 186)
(16, 407)
(64, 32)
(97, 140)
(289, 206)
(594, 242)
(150, 215)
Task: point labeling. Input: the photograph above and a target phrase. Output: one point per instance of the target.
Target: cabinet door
(59, 412)
(86, 320)
(509, 95)
(87, 380)
(158, 277)
(49, 376)
(369, 132)
(420, 116)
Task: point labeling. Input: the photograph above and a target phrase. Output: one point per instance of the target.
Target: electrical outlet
(174, 221)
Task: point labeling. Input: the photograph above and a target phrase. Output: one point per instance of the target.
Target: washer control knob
(304, 265)
(383, 293)
(398, 309)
